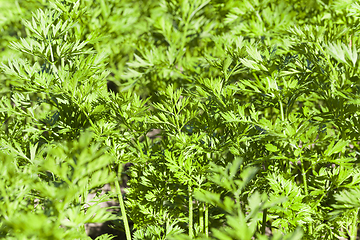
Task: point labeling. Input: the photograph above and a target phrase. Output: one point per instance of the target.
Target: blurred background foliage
(128, 30)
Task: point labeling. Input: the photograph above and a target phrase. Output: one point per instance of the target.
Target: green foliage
(46, 197)
(240, 118)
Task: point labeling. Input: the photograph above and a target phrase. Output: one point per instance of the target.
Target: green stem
(191, 233)
(201, 217)
(263, 226)
(282, 111)
(354, 226)
(303, 173)
(206, 220)
(122, 208)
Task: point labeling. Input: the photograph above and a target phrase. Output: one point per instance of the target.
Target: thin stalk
(263, 226)
(353, 230)
(282, 111)
(303, 173)
(206, 219)
(122, 209)
(191, 233)
(201, 217)
(166, 222)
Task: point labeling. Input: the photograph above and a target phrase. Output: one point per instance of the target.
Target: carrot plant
(240, 118)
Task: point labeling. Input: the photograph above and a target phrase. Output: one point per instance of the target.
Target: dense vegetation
(240, 118)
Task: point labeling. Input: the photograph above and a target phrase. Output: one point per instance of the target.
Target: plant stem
(353, 230)
(303, 173)
(237, 198)
(206, 219)
(201, 217)
(263, 226)
(191, 233)
(122, 208)
(281, 111)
